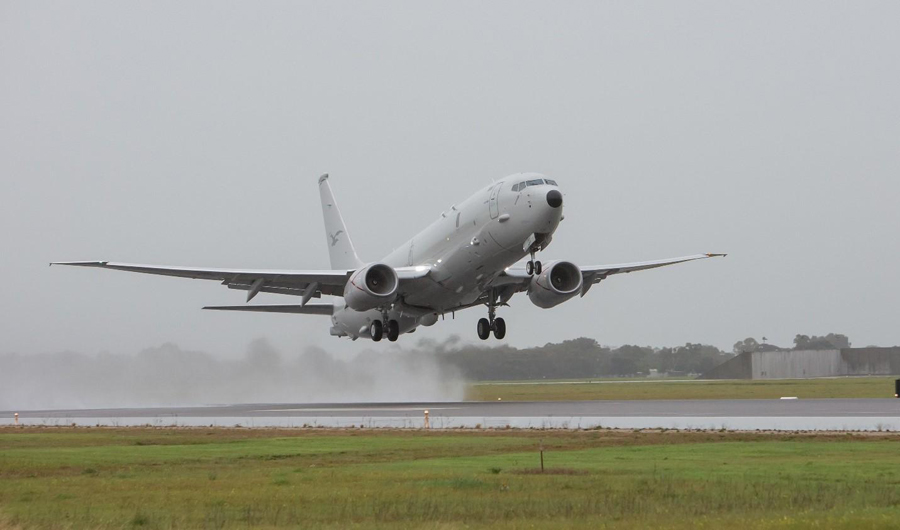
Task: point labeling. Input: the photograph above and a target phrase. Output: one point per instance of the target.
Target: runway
(794, 414)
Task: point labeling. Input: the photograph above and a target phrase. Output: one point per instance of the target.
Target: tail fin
(340, 247)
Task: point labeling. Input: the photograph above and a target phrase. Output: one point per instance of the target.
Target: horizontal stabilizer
(311, 308)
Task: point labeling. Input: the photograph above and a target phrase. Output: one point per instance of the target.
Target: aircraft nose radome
(554, 198)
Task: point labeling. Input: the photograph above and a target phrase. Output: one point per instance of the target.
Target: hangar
(798, 364)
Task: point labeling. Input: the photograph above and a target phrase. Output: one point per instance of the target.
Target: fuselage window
(537, 182)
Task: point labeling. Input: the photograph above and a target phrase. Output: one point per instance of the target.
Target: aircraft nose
(554, 198)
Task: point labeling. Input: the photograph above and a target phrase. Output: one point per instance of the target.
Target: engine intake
(560, 281)
(372, 286)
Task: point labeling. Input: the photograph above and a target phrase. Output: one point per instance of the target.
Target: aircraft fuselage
(465, 250)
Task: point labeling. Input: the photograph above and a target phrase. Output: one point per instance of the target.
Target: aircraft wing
(596, 273)
(308, 284)
(312, 308)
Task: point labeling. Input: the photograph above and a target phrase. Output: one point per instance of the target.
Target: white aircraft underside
(462, 260)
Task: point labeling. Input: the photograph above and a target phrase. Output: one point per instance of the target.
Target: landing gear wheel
(499, 328)
(484, 329)
(537, 267)
(529, 268)
(393, 330)
(376, 330)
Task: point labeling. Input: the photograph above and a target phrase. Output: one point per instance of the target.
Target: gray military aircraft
(464, 259)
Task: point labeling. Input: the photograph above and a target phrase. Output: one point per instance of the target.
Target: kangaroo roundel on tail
(340, 247)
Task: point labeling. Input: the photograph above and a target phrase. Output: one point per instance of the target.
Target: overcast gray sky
(193, 134)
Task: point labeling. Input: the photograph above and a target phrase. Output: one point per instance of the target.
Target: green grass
(220, 478)
(844, 387)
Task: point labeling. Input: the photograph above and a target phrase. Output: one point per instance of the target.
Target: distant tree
(622, 365)
(748, 345)
(832, 341)
(751, 345)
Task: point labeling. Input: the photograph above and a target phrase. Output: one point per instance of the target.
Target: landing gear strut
(492, 323)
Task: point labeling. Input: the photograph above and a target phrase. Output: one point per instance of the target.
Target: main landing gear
(492, 323)
(497, 325)
(379, 328)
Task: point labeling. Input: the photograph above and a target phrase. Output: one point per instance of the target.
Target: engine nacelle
(559, 281)
(372, 286)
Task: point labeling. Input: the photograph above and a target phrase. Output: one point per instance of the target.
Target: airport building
(798, 364)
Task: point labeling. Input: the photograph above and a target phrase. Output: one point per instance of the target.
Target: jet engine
(372, 286)
(559, 281)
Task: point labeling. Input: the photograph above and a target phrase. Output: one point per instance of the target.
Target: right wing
(519, 279)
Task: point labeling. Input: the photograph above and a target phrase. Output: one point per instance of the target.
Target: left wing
(596, 273)
(308, 284)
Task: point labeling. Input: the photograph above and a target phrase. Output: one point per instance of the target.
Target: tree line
(585, 358)
(578, 358)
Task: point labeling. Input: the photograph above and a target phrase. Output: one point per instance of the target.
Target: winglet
(80, 263)
(713, 255)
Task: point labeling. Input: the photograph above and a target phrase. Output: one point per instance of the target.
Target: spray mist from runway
(170, 376)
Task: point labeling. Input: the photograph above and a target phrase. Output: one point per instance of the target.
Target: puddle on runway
(777, 423)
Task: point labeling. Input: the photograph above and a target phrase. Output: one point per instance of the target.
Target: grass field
(220, 478)
(843, 387)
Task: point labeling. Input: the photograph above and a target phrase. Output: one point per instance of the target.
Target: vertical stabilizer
(340, 248)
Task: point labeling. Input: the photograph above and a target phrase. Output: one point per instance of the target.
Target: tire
(537, 267)
(376, 330)
(484, 329)
(393, 330)
(499, 328)
(529, 268)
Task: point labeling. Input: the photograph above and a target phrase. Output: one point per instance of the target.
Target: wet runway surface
(531, 409)
(793, 414)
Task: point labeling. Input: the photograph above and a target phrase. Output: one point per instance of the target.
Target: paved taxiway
(806, 414)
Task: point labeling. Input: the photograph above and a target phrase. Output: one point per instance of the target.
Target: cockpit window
(550, 182)
(537, 182)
